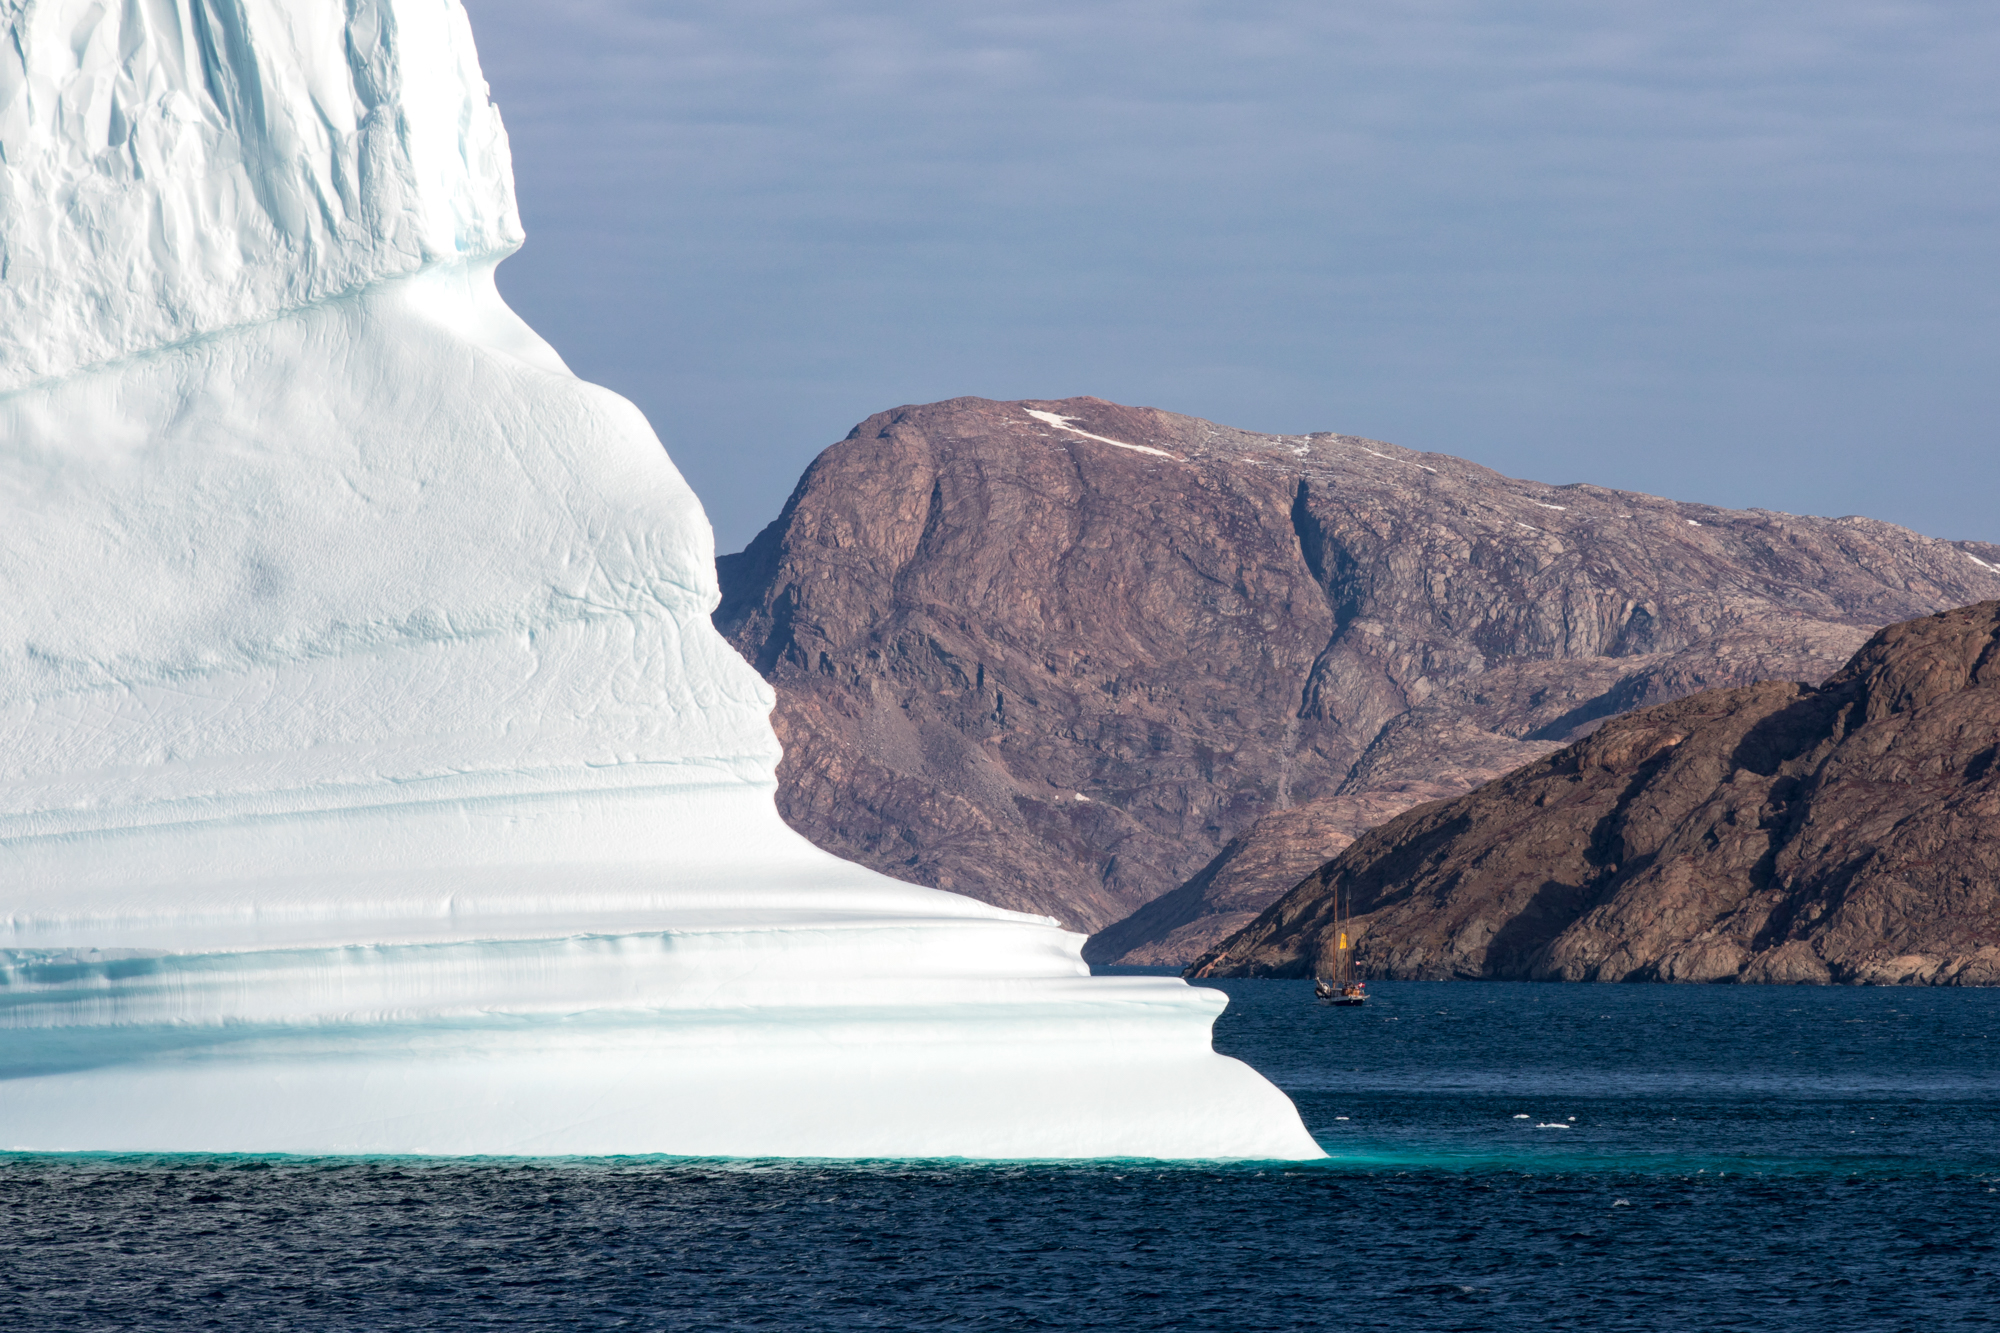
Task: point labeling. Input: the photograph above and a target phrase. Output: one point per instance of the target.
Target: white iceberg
(371, 778)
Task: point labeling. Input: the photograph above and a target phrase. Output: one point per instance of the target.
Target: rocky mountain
(1774, 832)
(1058, 655)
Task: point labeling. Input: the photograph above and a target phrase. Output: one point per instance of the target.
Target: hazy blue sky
(1732, 253)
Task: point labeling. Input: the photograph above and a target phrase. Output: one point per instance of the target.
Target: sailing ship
(1343, 987)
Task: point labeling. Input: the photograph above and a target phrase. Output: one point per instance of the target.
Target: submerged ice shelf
(371, 778)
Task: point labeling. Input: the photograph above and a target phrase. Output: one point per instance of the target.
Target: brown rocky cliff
(1774, 832)
(1057, 655)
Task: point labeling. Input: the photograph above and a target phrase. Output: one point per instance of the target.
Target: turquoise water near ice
(1729, 1158)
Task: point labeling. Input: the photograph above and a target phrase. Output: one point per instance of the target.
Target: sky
(1737, 254)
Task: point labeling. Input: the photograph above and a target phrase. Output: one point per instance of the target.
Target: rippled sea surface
(1504, 1157)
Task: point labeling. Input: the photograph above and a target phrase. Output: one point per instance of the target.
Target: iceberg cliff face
(174, 167)
(371, 778)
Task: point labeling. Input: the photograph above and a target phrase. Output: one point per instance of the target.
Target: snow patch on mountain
(1062, 423)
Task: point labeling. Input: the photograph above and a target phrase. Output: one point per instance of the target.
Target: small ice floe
(1621, 1203)
(1340, 1117)
(1062, 423)
(1553, 1124)
(1524, 1116)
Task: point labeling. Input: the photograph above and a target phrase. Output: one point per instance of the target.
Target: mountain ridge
(1769, 833)
(1058, 654)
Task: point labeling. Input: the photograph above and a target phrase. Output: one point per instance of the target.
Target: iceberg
(371, 778)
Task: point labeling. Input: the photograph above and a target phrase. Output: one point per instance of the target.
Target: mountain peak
(974, 612)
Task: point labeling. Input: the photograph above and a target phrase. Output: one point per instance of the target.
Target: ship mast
(1342, 972)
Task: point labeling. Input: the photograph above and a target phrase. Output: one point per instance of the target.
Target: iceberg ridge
(178, 168)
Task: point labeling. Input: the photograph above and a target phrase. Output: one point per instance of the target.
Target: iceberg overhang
(371, 778)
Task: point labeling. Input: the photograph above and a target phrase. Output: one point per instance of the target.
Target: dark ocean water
(1734, 1158)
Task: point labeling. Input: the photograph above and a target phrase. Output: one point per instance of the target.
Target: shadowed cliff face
(1775, 832)
(1057, 655)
